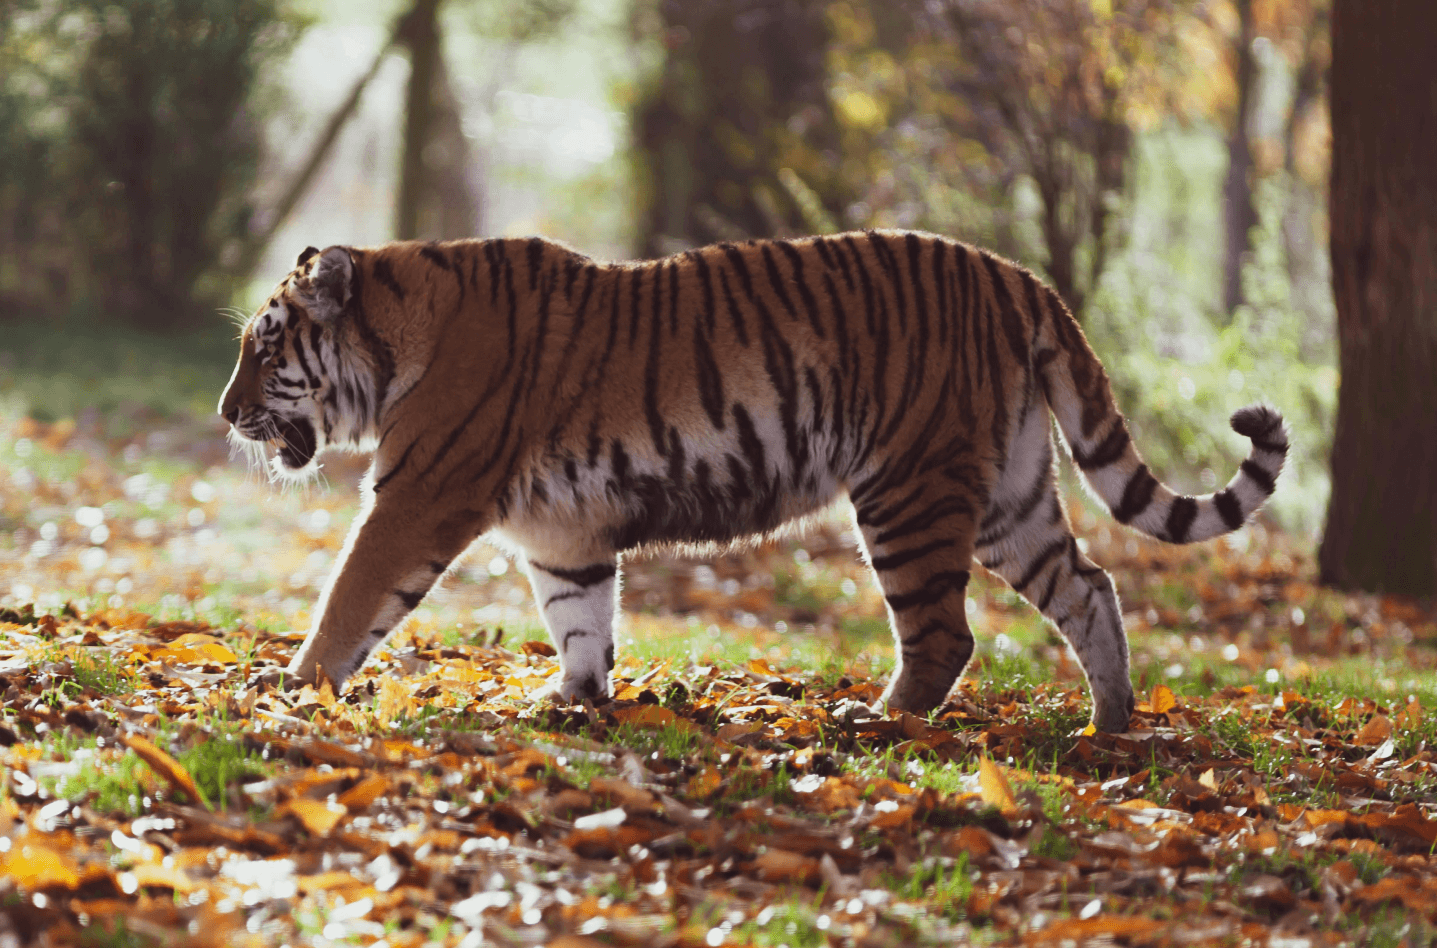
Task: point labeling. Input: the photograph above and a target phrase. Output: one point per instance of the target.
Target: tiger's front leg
(577, 597)
(392, 558)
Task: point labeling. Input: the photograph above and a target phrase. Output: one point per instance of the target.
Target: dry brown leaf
(166, 767)
(1375, 731)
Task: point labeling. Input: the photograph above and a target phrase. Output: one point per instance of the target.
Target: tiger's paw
(576, 689)
(274, 678)
(1113, 716)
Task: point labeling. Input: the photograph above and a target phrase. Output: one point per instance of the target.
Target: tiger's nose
(231, 415)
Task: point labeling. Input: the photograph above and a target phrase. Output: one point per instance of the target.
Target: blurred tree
(1239, 211)
(439, 194)
(137, 140)
(435, 195)
(1381, 530)
(736, 132)
(1053, 89)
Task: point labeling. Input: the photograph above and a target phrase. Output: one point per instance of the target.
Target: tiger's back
(580, 410)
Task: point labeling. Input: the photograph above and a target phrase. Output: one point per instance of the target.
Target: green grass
(61, 371)
(944, 885)
(789, 923)
(220, 761)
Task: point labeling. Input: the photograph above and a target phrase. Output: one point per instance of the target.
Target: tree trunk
(1382, 520)
(1238, 211)
(420, 32)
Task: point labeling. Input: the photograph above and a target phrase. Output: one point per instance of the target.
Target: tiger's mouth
(296, 441)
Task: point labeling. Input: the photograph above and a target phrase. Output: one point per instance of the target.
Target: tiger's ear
(327, 288)
(305, 254)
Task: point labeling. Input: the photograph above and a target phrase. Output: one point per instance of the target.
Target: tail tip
(1260, 423)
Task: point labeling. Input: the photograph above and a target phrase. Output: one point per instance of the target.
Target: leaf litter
(739, 789)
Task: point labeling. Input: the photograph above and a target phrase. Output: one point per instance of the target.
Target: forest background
(1166, 164)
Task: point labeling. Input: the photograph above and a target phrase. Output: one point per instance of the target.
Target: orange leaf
(166, 767)
(319, 818)
(33, 866)
(651, 715)
(994, 788)
(363, 794)
(1163, 699)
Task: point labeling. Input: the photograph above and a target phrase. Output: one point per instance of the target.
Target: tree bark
(420, 33)
(1381, 530)
(1238, 210)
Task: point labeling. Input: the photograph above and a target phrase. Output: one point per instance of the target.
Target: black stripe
(559, 597)
(710, 380)
(385, 276)
(1277, 447)
(1007, 310)
(884, 255)
(736, 260)
(894, 560)
(398, 466)
(910, 644)
(437, 566)
(1260, 476)
(1180, 519)
(1228, 508)
(706, 278)
(410, 599)
(1110, 450)
(775, 280)
(1043, 559)
(740, 328)
(564, 641)
(378, 633)
(535, 254)
(584, 576)
(804, 293)
(431, 253)
(1136, 495)
(938, 586)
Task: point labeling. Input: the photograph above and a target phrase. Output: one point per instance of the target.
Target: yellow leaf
(166, 767)
(1209, 779)
(196, 648)
(319, 818)
(1089, 731)
(1163, 699)
(993, 787)
(33, 866)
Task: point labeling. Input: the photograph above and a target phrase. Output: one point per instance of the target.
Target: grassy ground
(1276, 787)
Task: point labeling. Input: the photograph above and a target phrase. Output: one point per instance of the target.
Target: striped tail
(1118, 475)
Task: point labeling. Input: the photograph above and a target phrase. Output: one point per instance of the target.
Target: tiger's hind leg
(577, 598)
(920, 543)
(1025, 538)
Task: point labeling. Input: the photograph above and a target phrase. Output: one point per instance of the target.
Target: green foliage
(131, 138)
(943, 884)
(218, 762)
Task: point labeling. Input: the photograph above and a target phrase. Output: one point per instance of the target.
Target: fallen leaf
(166, 767)
(1375, 731)
(994, 787)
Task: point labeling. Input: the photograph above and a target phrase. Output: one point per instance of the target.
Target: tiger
(576, 411)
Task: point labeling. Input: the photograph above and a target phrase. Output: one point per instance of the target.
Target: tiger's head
(302, 383)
